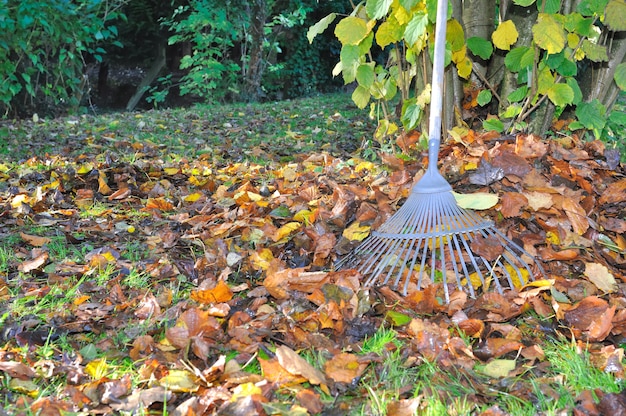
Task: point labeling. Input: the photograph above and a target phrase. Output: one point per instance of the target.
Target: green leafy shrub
(43, 46)
(212, 29)
(543, 76)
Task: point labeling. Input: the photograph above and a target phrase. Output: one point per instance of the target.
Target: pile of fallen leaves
(256, 244)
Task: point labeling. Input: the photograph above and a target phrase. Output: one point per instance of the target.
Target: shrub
(43, 46)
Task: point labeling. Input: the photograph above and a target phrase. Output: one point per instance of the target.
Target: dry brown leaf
(344, 367)
(404, 407)
(576, 214)
(512, 204)
(600, 276)
(614, 193)
(296, 365)
(34, 264)
(35, 240)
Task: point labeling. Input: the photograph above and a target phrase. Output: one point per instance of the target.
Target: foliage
(545, 70)
(212, 28)
(43, 47)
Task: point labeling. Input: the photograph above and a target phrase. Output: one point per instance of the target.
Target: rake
(430, 238)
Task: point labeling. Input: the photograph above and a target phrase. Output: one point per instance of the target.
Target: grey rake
(430, 238)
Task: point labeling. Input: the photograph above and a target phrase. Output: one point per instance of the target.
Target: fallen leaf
(296, 365)
(219, 294)
(497, 368)
(35, 240)
(476, 201)
(600, 276)
(344, 368)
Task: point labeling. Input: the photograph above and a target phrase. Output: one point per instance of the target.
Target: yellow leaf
(254, 197)
(505, 35)
(477, 200)
(179, 381)
(261, 259)
(193, 197)
(86, 168)
(356, 231)
(553, 238)
(97, 368)
(171, 171)
(245, 390)
(464, 68)
(549, 34)
(305, 216)
(286, 229)
(19, 199)
(364, 166)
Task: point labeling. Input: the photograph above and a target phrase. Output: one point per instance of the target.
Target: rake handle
(436, 97)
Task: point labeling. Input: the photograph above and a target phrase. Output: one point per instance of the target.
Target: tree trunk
(257, 15)
(153, 72)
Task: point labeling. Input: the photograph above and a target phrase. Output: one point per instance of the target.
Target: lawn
(181, 262)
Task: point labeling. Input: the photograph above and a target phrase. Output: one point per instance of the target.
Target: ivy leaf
(480, 47)
(377, 9)
(620, 76)
(561, 94)
(361, 96)
(614, 15)
(351, 30)
(320, 27)
(549, 34)
(505, 35)
(415, 28)
(390, 31)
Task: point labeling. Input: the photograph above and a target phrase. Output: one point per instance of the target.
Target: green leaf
(512, 111)
(361, 96)
(505, 35)
(484, 97)
(561, 94)
(350, 58)
(620, 76)
(377, 9)
(549, 6)
(576, 23)
(390, 31)
(480, 47)
(476, 201)
(594, 52)
(365, 75)
(615, 15)
(320, 27)
(591, 7)
(397, 318)
(411, 114)
(567, 68)
(592, 115)
(351, 30)
(415, 28)
(280, 212)
(518, 95)
(523, 3)
(578, 94)
(518, 58)
(549, 34)
(408, 4)
(497, 368)
(493, 124)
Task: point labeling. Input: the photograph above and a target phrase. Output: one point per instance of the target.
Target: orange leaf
(219, 294)
(159, 203)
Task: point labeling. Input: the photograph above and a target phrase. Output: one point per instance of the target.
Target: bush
(43, 46)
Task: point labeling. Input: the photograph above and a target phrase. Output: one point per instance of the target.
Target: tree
(537, 59)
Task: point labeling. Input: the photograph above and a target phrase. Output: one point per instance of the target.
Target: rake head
(431, 239)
